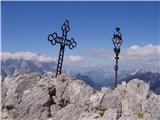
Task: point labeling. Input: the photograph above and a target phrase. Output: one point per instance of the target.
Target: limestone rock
(78, 93)
(54, 109)
(35, 104)
(47, 98)
(111, 101)
(70, 112)
(128, 117)
(14, 91)
(138, 88)
(151, 107)
(96, 100)
(110, 114)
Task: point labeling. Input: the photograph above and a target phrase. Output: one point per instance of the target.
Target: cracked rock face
(31, 97)
(35, 104)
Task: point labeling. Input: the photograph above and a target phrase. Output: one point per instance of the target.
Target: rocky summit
(32, 97)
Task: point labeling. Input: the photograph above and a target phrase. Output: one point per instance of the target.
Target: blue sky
(26, 26)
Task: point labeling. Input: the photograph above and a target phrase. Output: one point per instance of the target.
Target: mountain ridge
(20, 63)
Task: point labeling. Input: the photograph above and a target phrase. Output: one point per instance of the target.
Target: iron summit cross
(63, 41)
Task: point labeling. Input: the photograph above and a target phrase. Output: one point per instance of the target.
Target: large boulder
(72, 96)
(35, 104)
(14, 91)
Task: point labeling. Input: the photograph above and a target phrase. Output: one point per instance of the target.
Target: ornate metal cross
(63, 41)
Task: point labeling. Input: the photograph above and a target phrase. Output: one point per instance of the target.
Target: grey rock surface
(32, 97)
(35, 104)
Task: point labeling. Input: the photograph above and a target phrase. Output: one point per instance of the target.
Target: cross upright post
(63, 41)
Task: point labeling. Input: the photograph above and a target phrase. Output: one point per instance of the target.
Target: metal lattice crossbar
(63, 41)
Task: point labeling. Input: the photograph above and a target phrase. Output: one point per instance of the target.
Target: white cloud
(142, 53)
(74, 59)
(133, 57)
(38, 57)
(26, 56)
(147, 56)
(135, 52)
(98, 52)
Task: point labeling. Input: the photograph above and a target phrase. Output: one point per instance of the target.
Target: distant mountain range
(96, 78)
(13, 67)
(152, 78)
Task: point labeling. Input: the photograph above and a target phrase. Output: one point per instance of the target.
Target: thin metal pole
(116, 66)
(116, 71)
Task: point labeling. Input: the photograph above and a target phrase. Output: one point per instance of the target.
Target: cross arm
(53, 38)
